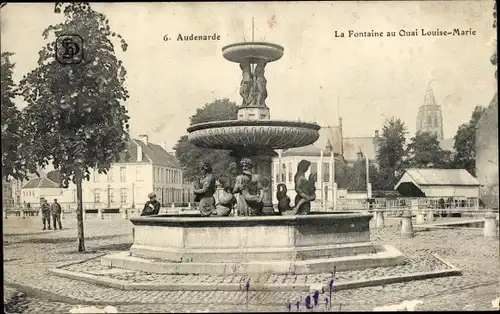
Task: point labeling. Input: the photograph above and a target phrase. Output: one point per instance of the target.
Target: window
(429, 121)
(123, 174)
(276, 172)
(326, 172)
(283, 173)
(162, 175)
(138, 174)
(96, 176)
(123, 196)
(97, 196)
(111, 196)
(110, 175)
(313, 168)
(436, 121)
(290, 175)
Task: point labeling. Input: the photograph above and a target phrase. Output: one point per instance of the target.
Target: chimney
(144, 139)
(165, 147)
(139, 152)
(376, 133)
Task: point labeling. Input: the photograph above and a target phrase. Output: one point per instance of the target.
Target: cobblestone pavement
(29, 253)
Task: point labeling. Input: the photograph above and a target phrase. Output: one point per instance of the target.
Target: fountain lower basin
(240, 134)
(182, 244)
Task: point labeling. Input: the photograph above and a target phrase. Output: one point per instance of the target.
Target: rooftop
(440, 177)
(41, 183)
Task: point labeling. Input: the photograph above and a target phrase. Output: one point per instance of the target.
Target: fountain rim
(232, 221)
(253, 43)
(247, 123)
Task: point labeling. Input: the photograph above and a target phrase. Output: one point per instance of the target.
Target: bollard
(430, 216)
(420, 217)
(490, 226)
(23, 214)
(379, 219)
(173, 206)
(406, 226)
(189, 206)
(100, 212)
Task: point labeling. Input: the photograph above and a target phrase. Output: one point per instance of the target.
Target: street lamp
(133, 196)
(109, 196)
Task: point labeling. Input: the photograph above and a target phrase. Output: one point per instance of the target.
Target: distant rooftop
(41, 183)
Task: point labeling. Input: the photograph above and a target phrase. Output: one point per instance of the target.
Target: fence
(401, 203)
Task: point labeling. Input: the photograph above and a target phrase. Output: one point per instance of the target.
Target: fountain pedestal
(190, 244)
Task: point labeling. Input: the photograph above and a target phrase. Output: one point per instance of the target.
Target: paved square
(29, 252)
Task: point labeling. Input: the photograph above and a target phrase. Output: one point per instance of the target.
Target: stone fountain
(243, 233)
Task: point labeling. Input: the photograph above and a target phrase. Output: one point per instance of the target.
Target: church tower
(429, 117)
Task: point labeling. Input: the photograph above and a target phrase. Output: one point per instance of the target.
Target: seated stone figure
(303, 205)
(205, 189)
(305, 189)
(249, 190)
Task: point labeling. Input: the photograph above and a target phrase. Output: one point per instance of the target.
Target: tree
(390, 152)
(190, 155)
(77, 108)
(15, 161)
(424, 151)
(465, 143)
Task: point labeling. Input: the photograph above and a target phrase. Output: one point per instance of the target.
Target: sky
(365, 80)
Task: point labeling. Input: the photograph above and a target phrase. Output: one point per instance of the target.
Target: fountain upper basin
(240, 134)
(253, 52)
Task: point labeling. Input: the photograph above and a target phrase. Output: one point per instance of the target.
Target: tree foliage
(465, 143)
(77, 109)
(190, 155)
(424, 151)
(390, 152)
(15, 161)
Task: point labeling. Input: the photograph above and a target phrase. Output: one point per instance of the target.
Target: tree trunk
(79, 214)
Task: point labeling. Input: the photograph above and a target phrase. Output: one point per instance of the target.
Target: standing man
(152, 207)
(55, 209)
(46, 214)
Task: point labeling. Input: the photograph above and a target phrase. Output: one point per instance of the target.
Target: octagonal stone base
(253, 245)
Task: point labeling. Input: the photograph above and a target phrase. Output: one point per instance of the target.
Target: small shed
(437, 183)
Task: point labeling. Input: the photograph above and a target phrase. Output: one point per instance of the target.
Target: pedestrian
(152, 207)
(46, 214)
(55, 209)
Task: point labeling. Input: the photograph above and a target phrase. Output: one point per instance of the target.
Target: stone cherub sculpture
(226, 199)
(249, 190)
(305, 189)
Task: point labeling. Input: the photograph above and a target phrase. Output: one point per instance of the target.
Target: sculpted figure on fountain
(249, 190)
(246, 83)
(205, 189)
(226, 200)
(305, 189)
(261, 84)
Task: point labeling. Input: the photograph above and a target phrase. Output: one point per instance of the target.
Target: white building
(37, 188)
(144, 168)
(438, 183)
